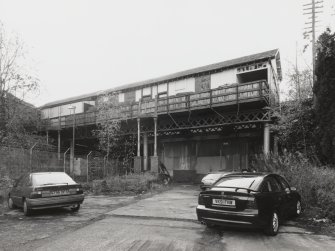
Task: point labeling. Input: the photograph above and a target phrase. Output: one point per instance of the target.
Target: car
(211, 178)
(45, 190)
(260, 200)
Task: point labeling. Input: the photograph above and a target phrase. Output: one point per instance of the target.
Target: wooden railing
(227, 95)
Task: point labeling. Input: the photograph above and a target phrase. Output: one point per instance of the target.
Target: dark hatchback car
(45, 190)
(250, 200)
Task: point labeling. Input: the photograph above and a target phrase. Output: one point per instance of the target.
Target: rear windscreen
(46, 179)
(238, 182)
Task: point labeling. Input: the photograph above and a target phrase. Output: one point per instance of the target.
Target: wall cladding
(130, 97)
(202, 83)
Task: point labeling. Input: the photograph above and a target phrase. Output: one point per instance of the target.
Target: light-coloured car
(211, 178)
(45, 190)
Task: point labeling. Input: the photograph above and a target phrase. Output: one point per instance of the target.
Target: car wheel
(273, 225)
(298, 209)
(26, 209)
(75, 208)
(11, 204)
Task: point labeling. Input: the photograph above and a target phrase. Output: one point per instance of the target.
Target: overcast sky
(78, 46)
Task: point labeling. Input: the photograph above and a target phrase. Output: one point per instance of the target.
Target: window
(275, 187)
(121, 97)
(283, 183)
(51, 178)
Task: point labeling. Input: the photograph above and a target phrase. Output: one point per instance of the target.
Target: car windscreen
(238, 182)
(47, 179)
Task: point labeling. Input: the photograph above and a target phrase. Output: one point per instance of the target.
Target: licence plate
(220, 202)
(60, 192)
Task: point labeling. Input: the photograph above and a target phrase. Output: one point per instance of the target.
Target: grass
(315, 184)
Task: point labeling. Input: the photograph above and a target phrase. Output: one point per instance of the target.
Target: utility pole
(312, 11)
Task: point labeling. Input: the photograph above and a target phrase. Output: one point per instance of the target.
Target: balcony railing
(227, 95)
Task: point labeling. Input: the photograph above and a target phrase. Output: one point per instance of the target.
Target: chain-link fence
(85, 166)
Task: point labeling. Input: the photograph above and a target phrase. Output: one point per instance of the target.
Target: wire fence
(85, 166)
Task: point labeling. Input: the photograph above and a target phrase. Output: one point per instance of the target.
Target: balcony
(228, 95)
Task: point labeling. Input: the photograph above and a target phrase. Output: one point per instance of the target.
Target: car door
(290, 197)
(278, 196)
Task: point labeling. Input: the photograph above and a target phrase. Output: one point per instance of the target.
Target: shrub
(315, 184)
(135, 183)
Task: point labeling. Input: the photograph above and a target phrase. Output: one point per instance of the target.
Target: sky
(81, 46)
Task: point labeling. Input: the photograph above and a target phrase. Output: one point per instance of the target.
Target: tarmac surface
(165, 221)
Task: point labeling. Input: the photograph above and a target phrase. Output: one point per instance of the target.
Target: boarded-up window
(180, 86)
(138, 95)
(121, 97)
(223, 78)
(154, 91)
(162, 88)
(147, 91)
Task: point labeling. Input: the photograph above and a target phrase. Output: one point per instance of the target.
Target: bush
(315, 184)
(136, 183)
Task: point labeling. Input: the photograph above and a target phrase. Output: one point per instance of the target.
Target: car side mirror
(293, 189)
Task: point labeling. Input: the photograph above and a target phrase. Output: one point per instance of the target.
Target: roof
(203, 69)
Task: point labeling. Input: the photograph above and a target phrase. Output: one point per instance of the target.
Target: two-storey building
(214, 117)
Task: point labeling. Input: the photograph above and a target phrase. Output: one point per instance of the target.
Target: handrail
(229, 94)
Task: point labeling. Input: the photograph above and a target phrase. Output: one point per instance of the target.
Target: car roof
(249, 174)
(218, 172)
(40, 173)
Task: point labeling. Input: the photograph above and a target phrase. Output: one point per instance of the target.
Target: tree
(300, 84)
(16, 116)
(109, 132)
(324, 91)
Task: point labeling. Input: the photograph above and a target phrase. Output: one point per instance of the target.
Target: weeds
(315, 184)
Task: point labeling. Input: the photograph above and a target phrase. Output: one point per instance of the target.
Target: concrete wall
(205, 155)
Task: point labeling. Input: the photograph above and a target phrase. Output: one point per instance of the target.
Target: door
(290, 198)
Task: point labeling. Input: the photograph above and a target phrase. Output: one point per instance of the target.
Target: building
(195, 121)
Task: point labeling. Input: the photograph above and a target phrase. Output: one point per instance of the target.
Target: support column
(145, 151)
(138, 158)
(266, 139)
(138, 138)
(155, 135)
(154, 159)
(58, 144)
(47, 137)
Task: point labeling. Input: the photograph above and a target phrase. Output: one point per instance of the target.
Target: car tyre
(26, 208)
(75, 208)
(10, 203)
(272, 227)
(298, 209)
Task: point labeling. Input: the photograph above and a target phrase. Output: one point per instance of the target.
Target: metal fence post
(87, 165)
(31, 156)
(65, 157)
(105, 162)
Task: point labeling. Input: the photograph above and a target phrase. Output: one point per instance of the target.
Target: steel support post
(138, 138)
(266, 139)
(145, 151)
(58, 144)
(155, 136)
